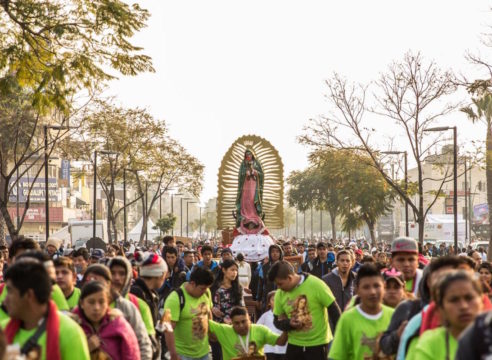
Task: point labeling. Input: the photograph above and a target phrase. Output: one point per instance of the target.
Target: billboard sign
(37, 194)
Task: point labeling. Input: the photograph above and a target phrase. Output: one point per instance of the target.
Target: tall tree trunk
(333, 219)
(2, 229)
(420, 215)
(372, 231)
(488, 174)
(109, 224)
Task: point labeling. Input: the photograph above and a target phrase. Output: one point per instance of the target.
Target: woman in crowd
(272, 352)
(458, 296)
(394, 288)
(108, 333)
(485, 271)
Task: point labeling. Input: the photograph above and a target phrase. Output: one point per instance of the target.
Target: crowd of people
(328, 300)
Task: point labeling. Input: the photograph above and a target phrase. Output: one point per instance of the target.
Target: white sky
(229, 68)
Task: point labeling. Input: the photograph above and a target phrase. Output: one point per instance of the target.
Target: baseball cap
(320, 245)
(359, 251)
(404, 244)
(393, 274)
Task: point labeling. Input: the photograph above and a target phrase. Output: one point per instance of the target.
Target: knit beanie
(152, 266)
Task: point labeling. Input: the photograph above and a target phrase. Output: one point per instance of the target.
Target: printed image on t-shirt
(200, 321)
(373, 344)
(300, 312)
(252, 349)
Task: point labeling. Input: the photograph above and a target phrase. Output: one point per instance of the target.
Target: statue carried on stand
(250, 196)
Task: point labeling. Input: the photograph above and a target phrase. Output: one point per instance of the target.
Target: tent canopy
(134, 234)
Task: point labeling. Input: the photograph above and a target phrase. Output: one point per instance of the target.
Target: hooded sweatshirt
(131, 310)
(264, 285)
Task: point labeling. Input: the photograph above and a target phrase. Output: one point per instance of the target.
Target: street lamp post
(455, 179)
(405, 154)
(297, 228)
(321, 224)
(124, 204)
(181, 217)
(46, 160)
(466, 202)
(172, 209)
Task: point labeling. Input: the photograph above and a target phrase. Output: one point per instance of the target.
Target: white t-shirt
(267, 320)
(244, 274)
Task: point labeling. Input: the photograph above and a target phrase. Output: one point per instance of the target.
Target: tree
(411, 94)
(481, 110)
(57, 48)
(165, 223)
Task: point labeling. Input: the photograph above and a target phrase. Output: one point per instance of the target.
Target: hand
(217, 312)
(94, 342)
(401, 328)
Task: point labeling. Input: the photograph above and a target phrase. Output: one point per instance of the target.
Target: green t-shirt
(409, 285)
(231, 346)
(357, 334)
(432, 345)
(73, 342)
(308, 303)
(144, 310)
(73, 299)
(191, 331)
(59, 299)
(3, 295)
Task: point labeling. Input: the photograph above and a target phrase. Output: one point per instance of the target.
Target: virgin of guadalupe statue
(249, 208)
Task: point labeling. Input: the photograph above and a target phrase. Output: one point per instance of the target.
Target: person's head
(240, 320)
(121, 274)
(240, 257)
(81, 260)
(404, 256)
(94, 301)
(189, 258)
(300, 247)
(21, 245)
(394, 288)
(200, 280)
(28, 287)
(322, 250)
(248, 156)
(65, 274)
(475, 255)
(270, 300)
(226, 254)
(97, 272)
(284, 276)
(207, 254)
(43, 258)
(275, 253)
(312, 253)
(171, 256)
(180, 246)
(441, 265)
(485, 271)
(458, 296)
(96, 255)
(169, 240)
(153, 270)
(287, 248)
(344, 261)
(52, 246)
(382, 258)
(369, 286)
(358, 255)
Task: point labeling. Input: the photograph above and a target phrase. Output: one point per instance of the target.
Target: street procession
(217, 180)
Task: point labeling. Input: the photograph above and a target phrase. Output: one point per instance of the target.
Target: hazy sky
(229, 68)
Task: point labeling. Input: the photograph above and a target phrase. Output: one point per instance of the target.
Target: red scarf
(52, 332)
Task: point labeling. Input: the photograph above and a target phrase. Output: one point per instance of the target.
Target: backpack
(181, 298)
(482, 339)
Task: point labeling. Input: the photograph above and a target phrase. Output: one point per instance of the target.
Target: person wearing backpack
(190, 308)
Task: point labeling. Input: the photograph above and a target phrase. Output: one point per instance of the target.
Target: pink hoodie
(117, 337)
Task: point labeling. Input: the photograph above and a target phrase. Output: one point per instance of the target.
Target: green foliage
(165, 223)
(56, 48)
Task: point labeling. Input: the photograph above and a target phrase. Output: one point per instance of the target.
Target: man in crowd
(341, 279)
(404, 258)
(323, 264)
(243, 338)
(300, 307)
(169, 240)
(36, 325)
(177, 273)
(189, 258)
(207, 261)
(359, 254)
(301, 250)
(288, 249)
(66, 279)
(80, 261)
(190, 310)
(226, 254)
(307, 266)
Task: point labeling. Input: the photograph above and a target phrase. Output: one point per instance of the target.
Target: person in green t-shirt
(359, 329)
(300, 307)
(458, 296)
(29, 305)
(405, 259)
(189, 339)
(243, 338)
(66, 278)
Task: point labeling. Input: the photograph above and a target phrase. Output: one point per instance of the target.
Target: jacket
(264, 285)
(140, 290)
(214, 268)
(117, 337)
(342, 294)
(320, 268)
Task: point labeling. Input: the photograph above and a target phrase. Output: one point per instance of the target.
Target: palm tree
(481, 110)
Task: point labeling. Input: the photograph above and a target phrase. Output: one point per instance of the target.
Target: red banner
(37, 214)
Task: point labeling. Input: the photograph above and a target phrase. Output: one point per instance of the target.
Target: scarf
(52, 331)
